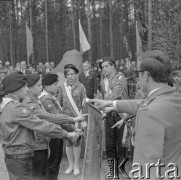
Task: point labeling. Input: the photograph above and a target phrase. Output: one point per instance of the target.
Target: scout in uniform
(177, 79)
(71, 96)
(18, 127)
(158, 122)
(51, 104)
(33, 103)
(113, 86)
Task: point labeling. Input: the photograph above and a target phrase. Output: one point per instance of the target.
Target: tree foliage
(167, 26)
(62, 37)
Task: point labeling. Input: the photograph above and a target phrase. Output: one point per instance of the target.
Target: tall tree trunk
(31, 25)
(89, 29)
(111, 29)
(10, 34)
(73, 23)
(46, 31)
(121, 27)
(149, 25)
(101, 29)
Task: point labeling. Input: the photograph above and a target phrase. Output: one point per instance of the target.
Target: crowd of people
(37, 114)
(22, 66)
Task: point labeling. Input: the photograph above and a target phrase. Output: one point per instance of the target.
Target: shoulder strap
(71, 100)
(55, 99)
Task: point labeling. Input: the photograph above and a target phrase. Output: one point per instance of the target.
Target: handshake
(73, 136)
(80, 117)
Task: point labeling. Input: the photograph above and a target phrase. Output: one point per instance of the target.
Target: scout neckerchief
(44, 93)
(107, 89)
(86, 73)
(69, 95)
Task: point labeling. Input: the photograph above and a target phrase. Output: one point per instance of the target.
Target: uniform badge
(24, 111)
(120, 77)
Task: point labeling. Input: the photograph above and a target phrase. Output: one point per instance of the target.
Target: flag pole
(31, 25)
(10, 34)
(46, 31)
(27, 46)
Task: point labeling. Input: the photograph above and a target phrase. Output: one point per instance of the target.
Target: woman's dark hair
(67, 70)
(106, 59)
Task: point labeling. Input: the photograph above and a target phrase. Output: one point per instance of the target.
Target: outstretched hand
(118, 124)
(101, 103)
(109, 109)
(80, 117)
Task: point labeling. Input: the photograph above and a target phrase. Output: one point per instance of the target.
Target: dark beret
(49, 79)
(13, 82)
(72, 67)
(106, 59)
(32, 79)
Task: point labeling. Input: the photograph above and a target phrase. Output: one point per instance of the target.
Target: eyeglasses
(138, 71)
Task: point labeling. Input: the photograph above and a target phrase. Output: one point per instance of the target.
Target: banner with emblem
(93, 150)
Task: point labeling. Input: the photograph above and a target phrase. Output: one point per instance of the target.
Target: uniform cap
(49, 79)
(32, 79)
(72, 67)
(106, 59)
(14, 82)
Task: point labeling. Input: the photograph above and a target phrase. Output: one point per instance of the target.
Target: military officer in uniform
(51, 104)
(31, 100)
(113, 85)
(158, 122)
(18, 127)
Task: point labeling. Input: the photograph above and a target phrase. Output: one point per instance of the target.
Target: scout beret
(32, 79)
(106, 59)
(49, 79)
(72, 67)
(13, 82)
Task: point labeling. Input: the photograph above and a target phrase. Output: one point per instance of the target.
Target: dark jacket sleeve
(43, 114)
(25, 118)
(50, 107)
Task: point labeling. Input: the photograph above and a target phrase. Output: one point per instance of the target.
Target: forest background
(110, 27)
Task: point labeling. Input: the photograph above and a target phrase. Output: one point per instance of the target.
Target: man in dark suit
(23, 68)
(88, 79)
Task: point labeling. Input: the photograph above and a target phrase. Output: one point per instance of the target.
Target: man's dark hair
(157, 64)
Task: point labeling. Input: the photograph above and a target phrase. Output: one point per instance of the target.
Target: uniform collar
(112, 75)
(156, 89)
(11, 97)
(73, 85)
(29, 95)
(43, 93)
(158, 92)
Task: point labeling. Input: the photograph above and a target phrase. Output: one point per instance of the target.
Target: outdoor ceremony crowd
(141, 100)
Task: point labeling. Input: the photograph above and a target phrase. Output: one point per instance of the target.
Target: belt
(18, 156)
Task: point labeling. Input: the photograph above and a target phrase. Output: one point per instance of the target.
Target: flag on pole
(29, 42)
(84, 44)
(138, 38)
